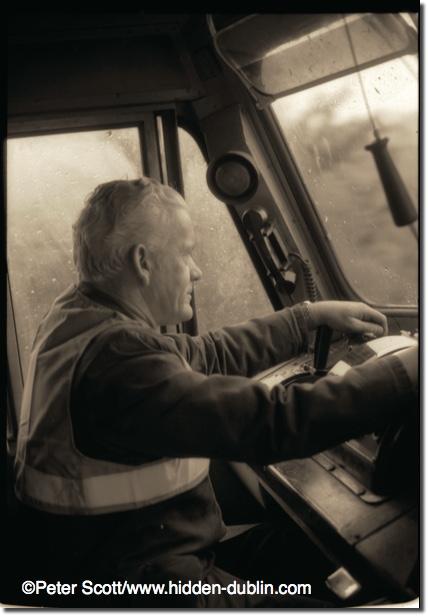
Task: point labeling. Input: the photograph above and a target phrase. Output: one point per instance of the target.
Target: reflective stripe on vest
(140, 487)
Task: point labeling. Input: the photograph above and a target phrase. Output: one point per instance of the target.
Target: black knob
(322, 348)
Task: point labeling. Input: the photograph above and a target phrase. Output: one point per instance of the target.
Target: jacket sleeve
(247, 348)
(133, 404)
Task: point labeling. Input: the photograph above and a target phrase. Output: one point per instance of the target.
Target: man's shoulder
(122, 341)
(129, 336)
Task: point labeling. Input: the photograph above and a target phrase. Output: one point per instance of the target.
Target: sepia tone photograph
(212, 291)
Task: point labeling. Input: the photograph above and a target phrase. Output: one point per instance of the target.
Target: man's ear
(141, 263)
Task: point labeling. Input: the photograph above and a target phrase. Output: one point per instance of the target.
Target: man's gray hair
(117, 215)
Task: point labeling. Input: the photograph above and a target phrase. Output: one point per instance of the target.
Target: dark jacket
(139, 396)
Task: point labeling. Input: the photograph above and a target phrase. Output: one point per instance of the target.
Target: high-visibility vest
(51, 474)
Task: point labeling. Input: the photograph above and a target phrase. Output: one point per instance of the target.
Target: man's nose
(196, 273)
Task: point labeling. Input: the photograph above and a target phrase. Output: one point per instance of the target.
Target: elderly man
(119, 422)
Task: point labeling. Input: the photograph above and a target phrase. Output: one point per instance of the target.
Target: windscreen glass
(327, 129)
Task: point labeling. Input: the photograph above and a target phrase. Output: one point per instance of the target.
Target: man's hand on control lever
(358, 318)
(348, 317)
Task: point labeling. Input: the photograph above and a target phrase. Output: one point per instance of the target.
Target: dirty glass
(281, 53)
(327, 128)
(230, 290)
(48, 179)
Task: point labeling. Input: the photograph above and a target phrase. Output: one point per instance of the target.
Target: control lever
(322, 348)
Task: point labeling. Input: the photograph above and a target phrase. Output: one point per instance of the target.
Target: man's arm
(132, 404)
(261, 343)
(248, 348)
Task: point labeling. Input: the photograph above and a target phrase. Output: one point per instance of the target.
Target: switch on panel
(342, 584)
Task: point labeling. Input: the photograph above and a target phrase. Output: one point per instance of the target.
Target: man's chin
(187, 314)
(181, 315)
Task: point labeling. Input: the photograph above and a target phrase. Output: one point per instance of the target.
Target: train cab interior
(294, 140)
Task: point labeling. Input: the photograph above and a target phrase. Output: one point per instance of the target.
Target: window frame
(302, 211)
(15, 377)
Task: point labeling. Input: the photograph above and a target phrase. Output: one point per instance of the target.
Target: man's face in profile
(174, 271)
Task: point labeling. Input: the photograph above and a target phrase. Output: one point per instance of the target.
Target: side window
(48, 178)
(230, 290)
